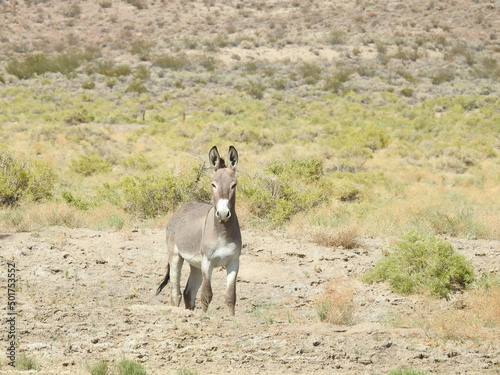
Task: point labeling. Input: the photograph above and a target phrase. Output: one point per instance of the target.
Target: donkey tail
(165, 281)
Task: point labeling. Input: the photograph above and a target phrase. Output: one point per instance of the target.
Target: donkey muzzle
(222, 211)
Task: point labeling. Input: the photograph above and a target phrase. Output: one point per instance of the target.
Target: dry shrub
(346, 237)
(336, 304)
(474, 316)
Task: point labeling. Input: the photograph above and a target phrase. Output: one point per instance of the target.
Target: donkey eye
(233, 186)
(214, 186)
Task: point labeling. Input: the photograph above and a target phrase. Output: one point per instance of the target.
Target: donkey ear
(214, 158)
(232, 156)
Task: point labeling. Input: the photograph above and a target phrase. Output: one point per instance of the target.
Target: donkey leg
(175, 269)
(192, 287)
(232, 273)
(206, 286)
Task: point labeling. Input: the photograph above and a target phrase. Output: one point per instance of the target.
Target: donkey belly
(185, 230)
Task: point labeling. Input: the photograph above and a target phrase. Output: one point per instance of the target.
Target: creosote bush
(284, 189)
(154, 194)
(31, 180)
(423, 264)
(88, 165)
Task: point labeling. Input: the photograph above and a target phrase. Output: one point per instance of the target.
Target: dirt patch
(85, 295)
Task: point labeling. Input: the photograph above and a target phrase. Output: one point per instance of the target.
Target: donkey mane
(222, 163)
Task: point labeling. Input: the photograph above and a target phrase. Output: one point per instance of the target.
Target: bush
(172, 62)
(88, 165)
(33, 180)
(158, 193)
(423, 264)
(109, 69)
(39, 63)
(284, 189)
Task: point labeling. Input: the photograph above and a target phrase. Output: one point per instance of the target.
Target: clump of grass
(185, 371)
(100, 367)
(406, 371)
(423, 264)
(130, 367)
(26, 363)
(336, 304)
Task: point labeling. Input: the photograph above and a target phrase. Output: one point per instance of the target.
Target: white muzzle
(222, 210)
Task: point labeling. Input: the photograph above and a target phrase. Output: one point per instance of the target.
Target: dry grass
(346, 237)
(473, 315)
(336, 304)
(32, 216)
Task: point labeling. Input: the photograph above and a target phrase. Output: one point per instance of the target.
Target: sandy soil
(85, 295)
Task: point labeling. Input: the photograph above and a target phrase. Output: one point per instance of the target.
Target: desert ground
(86, 295)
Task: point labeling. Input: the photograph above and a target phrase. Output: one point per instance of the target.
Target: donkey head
(224, 183)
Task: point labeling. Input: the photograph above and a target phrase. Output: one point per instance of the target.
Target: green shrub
(406, 371)
(39, 63)
(443, 75)
(139, 162)
(335, 82)
(137, 86)
(88, 165)
(284, 189)
(255, 89)
(420, 263)
(336, 37)
(78, 202)
(88, 85)
(130, 367)
(32, 180)
(157, 193)
(109, 69)
(310, 72)
(172, 62)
